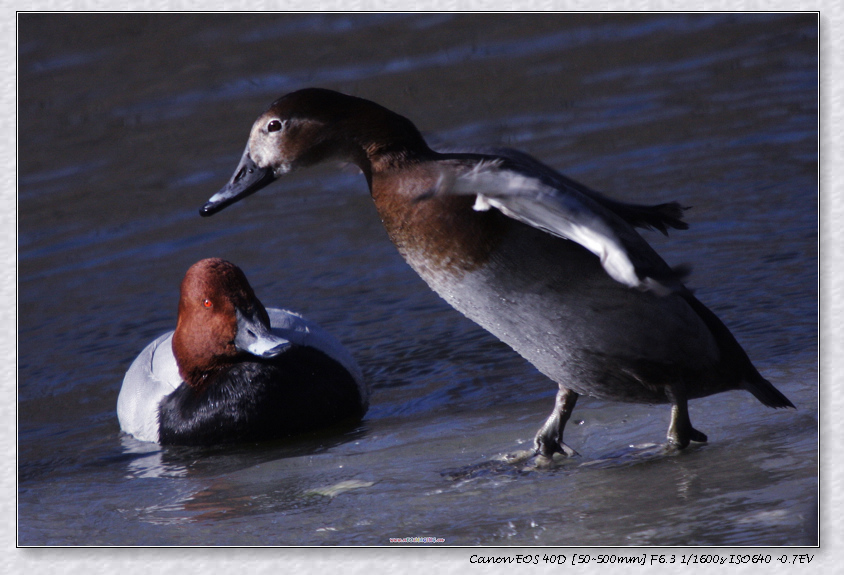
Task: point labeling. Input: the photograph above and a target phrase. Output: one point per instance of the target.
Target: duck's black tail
(751, 379)
(764, 391)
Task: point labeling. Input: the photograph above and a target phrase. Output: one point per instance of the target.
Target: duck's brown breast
(435, 233)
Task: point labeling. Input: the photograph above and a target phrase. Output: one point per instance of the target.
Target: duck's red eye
(207, 303)
(274, 126)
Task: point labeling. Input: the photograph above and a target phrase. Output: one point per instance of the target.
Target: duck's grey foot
(698, 436)
(681, 442)
(681, 432)
(549, 439)
(547, 447)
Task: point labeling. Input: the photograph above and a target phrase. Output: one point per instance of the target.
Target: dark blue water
(128, 123)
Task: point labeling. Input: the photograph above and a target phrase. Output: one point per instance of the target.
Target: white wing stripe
(534, 203)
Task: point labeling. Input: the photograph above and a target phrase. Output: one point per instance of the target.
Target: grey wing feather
(565, 213)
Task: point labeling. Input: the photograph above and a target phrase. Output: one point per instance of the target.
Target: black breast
(301, 390)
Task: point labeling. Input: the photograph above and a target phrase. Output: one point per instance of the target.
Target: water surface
(128, 123)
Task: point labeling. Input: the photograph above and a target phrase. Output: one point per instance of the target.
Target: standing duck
(233, 371)
(554, 269)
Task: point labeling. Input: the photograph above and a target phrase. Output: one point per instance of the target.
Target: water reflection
(237, 481)
(147, 460)
(151, 460)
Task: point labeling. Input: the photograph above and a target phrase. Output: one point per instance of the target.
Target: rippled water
(128, 123)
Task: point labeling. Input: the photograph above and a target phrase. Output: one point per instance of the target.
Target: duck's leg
(549, 439)
(681, 432)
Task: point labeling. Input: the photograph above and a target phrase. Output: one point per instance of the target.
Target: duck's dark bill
(256, 338)
(248, 178)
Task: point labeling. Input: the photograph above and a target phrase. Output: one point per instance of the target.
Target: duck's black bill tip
(211, 208)
(208, 209)
(248, 178)
(227, 197)
(221, 201)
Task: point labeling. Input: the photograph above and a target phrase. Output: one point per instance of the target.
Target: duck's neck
(197, 368)
(380, 139)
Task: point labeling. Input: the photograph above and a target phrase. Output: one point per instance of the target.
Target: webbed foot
(547, 447)
(681, 432)
(697, 436)
(549, 439)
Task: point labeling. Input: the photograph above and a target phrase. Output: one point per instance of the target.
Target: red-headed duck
(549, 266)
(233, 371)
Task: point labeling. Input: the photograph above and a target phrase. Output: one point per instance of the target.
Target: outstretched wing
(652, 217)
(535, 199)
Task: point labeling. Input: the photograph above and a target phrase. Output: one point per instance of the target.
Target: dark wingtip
(664, 216)
(658, 217)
